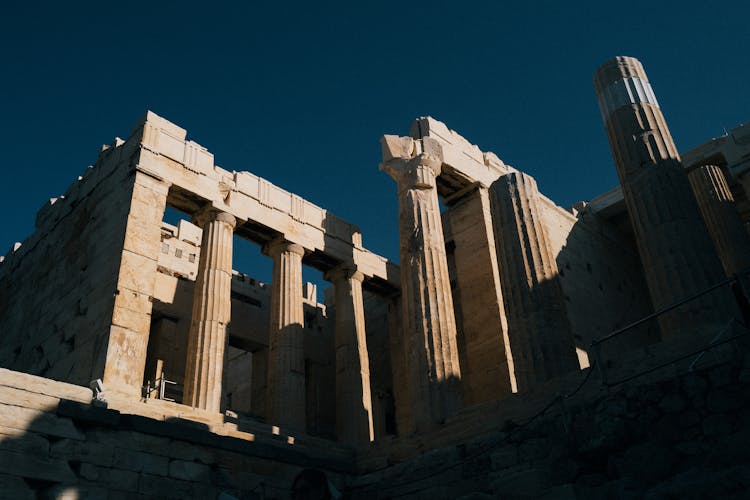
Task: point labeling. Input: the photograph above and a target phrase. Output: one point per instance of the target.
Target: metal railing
(736, 284)
(158, 389)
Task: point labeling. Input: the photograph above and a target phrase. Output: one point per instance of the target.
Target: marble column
(354, 424)
(211, 311)
(429, 324)
(541, 340)
(716, 204)
(487, 367)
(285, 402)
(678, 256)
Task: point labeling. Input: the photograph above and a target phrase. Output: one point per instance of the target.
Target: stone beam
(269, 210)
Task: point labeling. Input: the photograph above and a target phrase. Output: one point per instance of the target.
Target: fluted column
(353, 396)
(540, 336)
(676, 251)
(285, 404)
(723, 222)
(428, 317)
(211, 311)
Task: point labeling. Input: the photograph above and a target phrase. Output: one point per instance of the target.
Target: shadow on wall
(603, 284)
(74, 451)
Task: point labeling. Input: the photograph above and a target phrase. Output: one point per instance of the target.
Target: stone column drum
(285, 404)
(428, 318)
(211, 311)
(541, 340)
(676, 251)
(716, 203)
(354, 423)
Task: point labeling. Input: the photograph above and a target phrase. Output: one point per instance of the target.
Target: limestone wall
(665, 436)
(601, 276)
(54, 444)
(57, 290)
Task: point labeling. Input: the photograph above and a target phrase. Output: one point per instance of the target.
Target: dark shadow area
(78, 450)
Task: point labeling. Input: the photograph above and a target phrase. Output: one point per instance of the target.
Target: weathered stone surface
(716, 203)
(354, 422)
(211, 312)
(286, 356)
(429, 325)
(487, 362)
(539, 331)
(677, 253)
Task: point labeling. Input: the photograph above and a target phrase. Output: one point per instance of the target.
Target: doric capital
(280, 245)
(210, 213)
(416, 173)
(344, 271)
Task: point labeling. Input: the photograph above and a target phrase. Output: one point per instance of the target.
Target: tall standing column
(676, 251)
(428, 317)
(541, 339)
(211, 311)
(716, 203)
(353, 395)
(285, 402)
(488, 371)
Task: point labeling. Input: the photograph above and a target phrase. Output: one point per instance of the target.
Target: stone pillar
(541, 340)
(676, 251)
(354, 424)
(429, 325)
(285, 401)
(716, 204)
(126, 346)
(211, 311)
(487, 371)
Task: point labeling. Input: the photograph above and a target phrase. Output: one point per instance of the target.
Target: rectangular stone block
(189, 471)
(157, 486)
(38, 421)
(126, 357)
(137, 273)
(82, 451)
(23, 441)
(15, 487)
(138, 461)
(33, 467)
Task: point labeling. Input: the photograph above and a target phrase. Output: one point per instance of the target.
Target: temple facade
(499, 293)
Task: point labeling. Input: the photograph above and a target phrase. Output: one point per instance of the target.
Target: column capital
(210, 213)
(344, 271)
(280, 244)
(415, 173)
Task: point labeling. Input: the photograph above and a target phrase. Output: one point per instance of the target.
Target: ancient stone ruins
(520, 350)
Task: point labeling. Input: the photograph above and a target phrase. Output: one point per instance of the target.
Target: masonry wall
(57, 290)
(54, 444)
(601, 276)
(665, 435)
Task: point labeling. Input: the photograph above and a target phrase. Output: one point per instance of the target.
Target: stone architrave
(716, 203)
(487, 368)
(539, 330)
(211, 311)
(429, 324)
(354, 424)
(678, 256)
(285, 400)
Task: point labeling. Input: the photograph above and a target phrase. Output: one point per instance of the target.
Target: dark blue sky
(299, 93)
